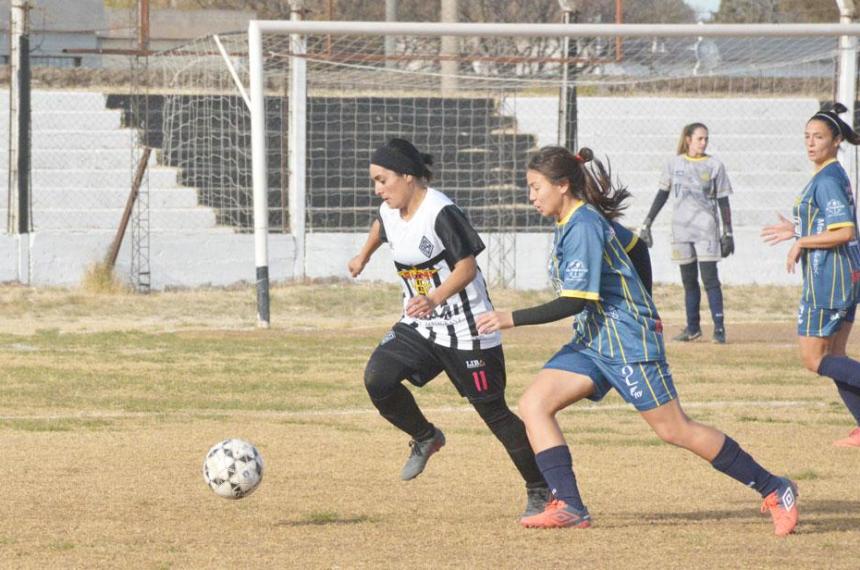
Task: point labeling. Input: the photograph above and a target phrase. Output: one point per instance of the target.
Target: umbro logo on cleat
(788, 499)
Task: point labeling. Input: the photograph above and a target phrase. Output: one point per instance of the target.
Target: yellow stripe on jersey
(838, 225)
(645, 344)
(833, 283)
(663, 380)
(808, 319)
(577, 294)
(648, 383)
(841, 275)
(632, 244)
(618, 338)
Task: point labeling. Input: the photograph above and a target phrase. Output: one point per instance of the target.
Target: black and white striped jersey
(425, 249)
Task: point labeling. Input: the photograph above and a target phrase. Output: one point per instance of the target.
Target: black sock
(511, 432)
(740, 466)
(400, 408)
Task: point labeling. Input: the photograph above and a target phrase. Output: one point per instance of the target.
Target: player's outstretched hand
(727, 245)
(356, 265)
(778, 232)
(420, 307)
(494, 321)
(645, 235)
(793, 257)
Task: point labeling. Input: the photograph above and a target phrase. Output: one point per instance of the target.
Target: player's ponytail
(401, 156)
(588, 179)
(837, 126)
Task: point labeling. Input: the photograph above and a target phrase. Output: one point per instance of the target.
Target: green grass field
(108, 404)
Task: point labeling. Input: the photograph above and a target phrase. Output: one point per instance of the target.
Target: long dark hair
(590, 184)
(837, 126)
(687, 132)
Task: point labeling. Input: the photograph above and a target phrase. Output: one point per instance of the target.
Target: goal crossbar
(544, 30)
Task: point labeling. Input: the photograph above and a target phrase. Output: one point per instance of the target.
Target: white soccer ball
(233, 468)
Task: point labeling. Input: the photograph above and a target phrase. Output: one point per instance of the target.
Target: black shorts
(478, 375)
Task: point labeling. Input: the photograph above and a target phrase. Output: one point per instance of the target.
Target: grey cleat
(720, 336)
(420, 453)
(536, 501)
(687, 335)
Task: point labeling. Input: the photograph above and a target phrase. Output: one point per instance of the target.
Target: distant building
(58, 28)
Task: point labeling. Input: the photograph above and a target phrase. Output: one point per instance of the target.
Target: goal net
(480, 104)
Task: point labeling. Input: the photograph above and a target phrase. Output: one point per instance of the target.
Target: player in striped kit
(826, 244)
(617, 343)
(434, 249)
(700, 187)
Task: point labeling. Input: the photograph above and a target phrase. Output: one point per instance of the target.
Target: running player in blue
(826, 244)
(617, 343)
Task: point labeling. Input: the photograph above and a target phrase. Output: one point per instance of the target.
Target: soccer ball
(233, 468)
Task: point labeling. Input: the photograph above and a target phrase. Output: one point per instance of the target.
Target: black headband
(392, 158)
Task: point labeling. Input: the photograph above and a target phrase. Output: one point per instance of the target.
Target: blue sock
(715, 301)
(556, 466)
(692, 301)
(841, 368)
(739, 465)
(851, 397)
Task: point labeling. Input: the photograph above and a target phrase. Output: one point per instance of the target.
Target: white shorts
(684, 252)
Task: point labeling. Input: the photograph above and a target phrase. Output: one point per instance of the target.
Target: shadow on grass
(324, 519)
(816, 516)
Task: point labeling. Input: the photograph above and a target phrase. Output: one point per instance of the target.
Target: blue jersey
(620, 321)
(627, 238)
(831, 276)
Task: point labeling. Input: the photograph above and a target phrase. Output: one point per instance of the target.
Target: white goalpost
(332, 72)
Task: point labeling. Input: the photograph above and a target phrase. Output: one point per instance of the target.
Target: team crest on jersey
(421, 279)
(575, 270)
(426, 246)
(835, 207)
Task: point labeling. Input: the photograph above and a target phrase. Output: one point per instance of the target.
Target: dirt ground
(108, 405)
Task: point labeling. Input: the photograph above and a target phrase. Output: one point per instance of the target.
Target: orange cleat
(782, 505)
(557, 514)
(853, 439)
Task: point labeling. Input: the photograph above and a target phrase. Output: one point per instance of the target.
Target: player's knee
(811, 362)
(494, 412)
(710, 277)
(673, 433)
(689, 276)
(377, 381)
(530, 406)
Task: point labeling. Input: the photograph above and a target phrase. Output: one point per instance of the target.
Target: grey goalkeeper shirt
(695, 185)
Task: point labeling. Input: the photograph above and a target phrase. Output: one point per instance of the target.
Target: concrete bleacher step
(108, 218)
(114, 139)
(156, 178)
(89, 159)
(159, 198)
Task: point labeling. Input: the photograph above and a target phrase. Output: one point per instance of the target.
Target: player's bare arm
(357, 264)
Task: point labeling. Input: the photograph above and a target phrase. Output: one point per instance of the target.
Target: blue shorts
(815, 321)
(646, 385)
